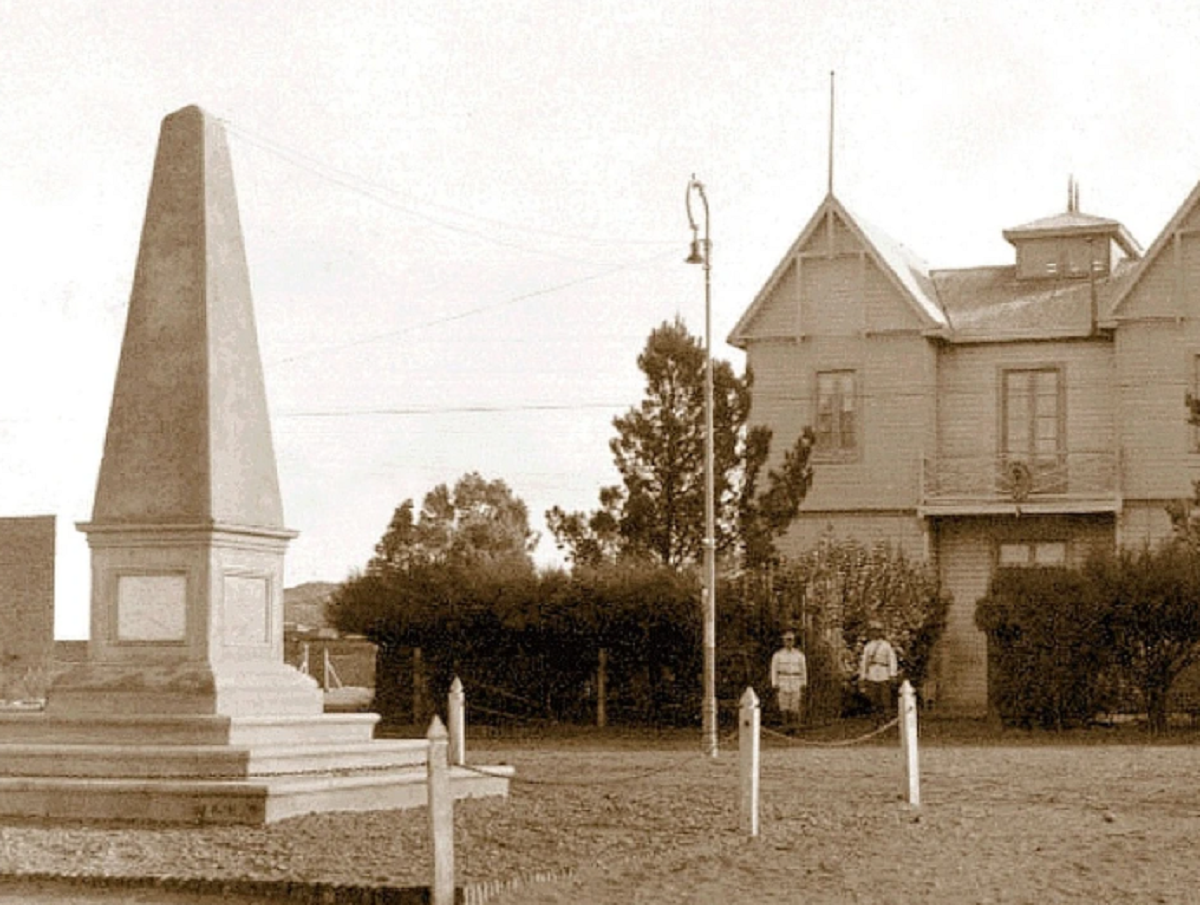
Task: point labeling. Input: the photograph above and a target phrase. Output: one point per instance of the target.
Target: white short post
(441, 815)
(457, 712)
(908, 744)
(749, 725)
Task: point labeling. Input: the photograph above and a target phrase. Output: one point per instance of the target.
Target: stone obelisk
(184, 710)
(187, 536)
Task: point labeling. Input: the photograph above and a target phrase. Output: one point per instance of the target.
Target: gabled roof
(1156, 248)
(905, 269)
(989, 304)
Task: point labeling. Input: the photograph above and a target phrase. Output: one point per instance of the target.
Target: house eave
(1068, 506)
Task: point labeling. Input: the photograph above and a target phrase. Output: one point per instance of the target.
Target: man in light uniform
(877, 671)
(789, 676)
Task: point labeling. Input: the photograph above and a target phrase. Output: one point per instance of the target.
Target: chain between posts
(840, 743)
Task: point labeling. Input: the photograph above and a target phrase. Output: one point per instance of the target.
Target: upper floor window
(1033, 416)
(1192, 405)
(837, 426)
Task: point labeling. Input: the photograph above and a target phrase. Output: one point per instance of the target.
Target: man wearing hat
(789, 676)
(877, 672)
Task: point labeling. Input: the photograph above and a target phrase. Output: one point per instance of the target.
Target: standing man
(877, 671)
(789, 676)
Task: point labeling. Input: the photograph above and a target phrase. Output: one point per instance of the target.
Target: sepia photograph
(544, 452)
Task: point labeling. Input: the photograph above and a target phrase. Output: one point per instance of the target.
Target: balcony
(1005, 485)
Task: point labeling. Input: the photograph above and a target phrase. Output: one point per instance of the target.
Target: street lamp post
(701, 253)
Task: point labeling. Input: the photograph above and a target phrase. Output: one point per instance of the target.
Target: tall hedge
(1051, 647)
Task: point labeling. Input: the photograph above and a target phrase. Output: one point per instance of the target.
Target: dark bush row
(1066, 645)
(527, 646)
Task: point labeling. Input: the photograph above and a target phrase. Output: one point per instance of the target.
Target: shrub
(838, 588)
(1153, 597)
(1051, 644)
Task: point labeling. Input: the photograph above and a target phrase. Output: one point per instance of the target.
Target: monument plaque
(247, 616)
(151, 607)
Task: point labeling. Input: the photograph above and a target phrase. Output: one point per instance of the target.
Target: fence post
(749, 725)
(418, 686)
(908, 744)
(441, 815)
(602, 688)
(456, 712)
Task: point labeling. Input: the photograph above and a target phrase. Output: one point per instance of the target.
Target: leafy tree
(657, 512)
(476, 520)
(442, 581)
(593, 539)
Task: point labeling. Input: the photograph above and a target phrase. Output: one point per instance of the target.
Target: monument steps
(205, 761)
(188, 729)
(233, 801)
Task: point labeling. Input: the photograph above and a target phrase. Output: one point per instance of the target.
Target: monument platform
(213, 769)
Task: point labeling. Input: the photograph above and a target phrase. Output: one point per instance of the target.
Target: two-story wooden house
(1002, 415)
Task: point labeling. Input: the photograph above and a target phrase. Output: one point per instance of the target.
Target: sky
(463, 219)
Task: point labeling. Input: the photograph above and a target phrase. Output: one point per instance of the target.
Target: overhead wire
(455, 410)
(760, 395)
(472, 312)
(384, 194)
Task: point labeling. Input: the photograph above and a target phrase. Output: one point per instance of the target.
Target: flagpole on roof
(830, 185)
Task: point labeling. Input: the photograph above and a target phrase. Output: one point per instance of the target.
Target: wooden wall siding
(887, 310)
(844, 241)
(894, 406)
(969, 394)
(964, 559)
(831, 296)
(1154, 371)
(901, 529)
(896, 380)
(781, 397)
(1154, 294)
(1035, 255)
(1188, 284)
(779, 315)
(1170, 284)
(1143, 522)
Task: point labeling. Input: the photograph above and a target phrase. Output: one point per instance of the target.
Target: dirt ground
(607, 819)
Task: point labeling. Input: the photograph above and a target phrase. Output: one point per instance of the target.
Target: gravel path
(654, 821)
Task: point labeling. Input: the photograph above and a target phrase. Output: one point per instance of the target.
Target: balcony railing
(1088, 478)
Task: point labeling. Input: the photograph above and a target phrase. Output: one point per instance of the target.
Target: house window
(1032, 429)
(837, 425)
(1193, 404)
(1026, 554)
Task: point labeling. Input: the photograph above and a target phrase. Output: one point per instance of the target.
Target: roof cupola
(1070, 245)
